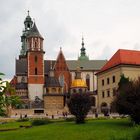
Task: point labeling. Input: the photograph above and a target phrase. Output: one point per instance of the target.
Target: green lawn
(92, 130)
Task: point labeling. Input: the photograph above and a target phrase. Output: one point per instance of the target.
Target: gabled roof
(127, 57)
(86, 64)
(60, 62)
(21, 67)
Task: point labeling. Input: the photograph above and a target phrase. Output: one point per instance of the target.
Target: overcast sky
(107, 25)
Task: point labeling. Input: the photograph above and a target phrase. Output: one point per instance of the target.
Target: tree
(127, 101)
(120, 103)
(8, 99)
(79, 105)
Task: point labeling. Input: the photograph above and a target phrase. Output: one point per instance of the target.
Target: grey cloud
(137, 46)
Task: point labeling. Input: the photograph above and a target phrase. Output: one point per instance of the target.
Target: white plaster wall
(35, 90)
(83, 75)
(20, 77)
(95, 81)
(73, 75)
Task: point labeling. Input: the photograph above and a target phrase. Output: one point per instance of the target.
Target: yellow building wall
(53, 102)
(128, 71)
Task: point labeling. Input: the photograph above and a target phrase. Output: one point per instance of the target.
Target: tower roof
(34, 32)
(83, 55)
(28, 18)
(61, 61)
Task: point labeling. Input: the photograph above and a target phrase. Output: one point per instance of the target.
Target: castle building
(44, 85)
(126, 62)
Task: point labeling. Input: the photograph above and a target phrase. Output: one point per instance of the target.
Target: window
(61, 80)
(107, 80)
(114, 91)
(74, 90)
(102, 82)
(93, 101)
(47, 90)
(35, 44)
(88, 81)
(35, 58)
(35, 71)
(23, 79)
(108, 93)
(113, 79)
(53, 90)
(103, 94)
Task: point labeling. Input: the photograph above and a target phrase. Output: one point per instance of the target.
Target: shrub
(136, 135)
(70, 119)
(23, 120)
(79, 105)
(37, 122)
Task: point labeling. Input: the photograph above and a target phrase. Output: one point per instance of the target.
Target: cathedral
(45, 85)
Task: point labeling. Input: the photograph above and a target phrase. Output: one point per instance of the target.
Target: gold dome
(78, 83)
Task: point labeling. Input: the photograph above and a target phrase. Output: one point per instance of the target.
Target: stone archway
(93, 101)
(104, 108)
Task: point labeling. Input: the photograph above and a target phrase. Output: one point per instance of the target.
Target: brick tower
(35, 61)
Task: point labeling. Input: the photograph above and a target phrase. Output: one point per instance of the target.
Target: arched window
(80, 90)
(88, 81)
(93, 101)
(53, 90)
(35, 71)
(61, 80)
(104, 108)
(74, 90)
(35, 44)
(28, 25)
(35, 58)
(47, 90)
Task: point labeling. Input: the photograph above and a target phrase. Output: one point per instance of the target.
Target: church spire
(83, 55)
(83, 42)
(28, 25)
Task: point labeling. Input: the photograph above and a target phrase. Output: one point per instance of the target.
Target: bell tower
(35, 60)
(28, 23)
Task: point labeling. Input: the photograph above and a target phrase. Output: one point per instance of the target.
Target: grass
(91, 130)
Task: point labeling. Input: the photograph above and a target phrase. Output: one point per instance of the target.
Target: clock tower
(35, 62)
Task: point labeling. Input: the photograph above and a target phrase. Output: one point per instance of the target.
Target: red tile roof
(128, 57)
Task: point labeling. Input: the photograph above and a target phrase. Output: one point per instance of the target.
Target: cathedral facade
(45, 85)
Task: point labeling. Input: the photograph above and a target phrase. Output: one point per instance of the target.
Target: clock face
(23, 79)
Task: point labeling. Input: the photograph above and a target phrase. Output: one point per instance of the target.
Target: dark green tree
(127, 101)
(79, 105)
